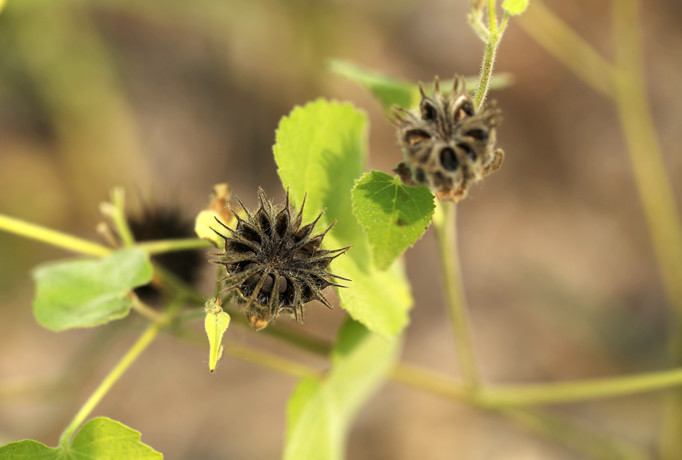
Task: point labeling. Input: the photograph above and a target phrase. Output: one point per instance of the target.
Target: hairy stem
(492, 37)
(445, 224)
(114, 375)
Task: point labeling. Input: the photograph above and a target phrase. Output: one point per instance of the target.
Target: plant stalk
(52, 237)
(445, 224)
(114, 375)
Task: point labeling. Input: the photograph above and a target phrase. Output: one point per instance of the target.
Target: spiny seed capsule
(447, 145)
(274, 263)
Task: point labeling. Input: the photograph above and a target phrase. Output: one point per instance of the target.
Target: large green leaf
(99, 439)
(320, 151)
(320, 412)
(86, 293)
(393, 215)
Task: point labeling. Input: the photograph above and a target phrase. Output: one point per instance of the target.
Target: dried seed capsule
(447, 145)
(275, 264)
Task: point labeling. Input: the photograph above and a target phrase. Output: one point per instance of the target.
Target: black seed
(419, 176)
(478, 134)
(466, 148)
(234, 246)
(428, 111)
(252, 280)
(282, 223)
(282, 285)
(267, 284)
(264, 222)
(448, 159)
(439, 179)
(416, 136)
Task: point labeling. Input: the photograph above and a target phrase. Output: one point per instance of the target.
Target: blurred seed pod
(447, 145)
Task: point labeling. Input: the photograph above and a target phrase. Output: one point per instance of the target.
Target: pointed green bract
(394, 215)
(320, 151)
(215, 324)
(85, 292)
(99, 439)
(320, 412)
(515, 7)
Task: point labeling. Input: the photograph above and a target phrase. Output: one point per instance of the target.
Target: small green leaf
(320, 151)
(388, 90)
(393, 215)
(216, 323)
(515, 7)
(99, 439)
(86, 293)
(320, 412)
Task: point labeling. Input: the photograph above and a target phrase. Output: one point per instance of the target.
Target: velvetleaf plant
(378, 215)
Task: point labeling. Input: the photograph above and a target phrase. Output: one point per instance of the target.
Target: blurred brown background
(167, 98)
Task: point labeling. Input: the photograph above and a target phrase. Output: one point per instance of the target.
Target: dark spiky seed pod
(447, 144)
(274, 263)
(167, 222)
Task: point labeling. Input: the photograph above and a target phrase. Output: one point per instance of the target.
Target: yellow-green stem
(553, 34)
(655, 192)
(119, 217)
(52, 237)
(270, 361)
(583, 441)
(180, 244)
(445, 224)
(140, 345)
(144, 309)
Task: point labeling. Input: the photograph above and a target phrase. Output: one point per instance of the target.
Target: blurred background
(167, 98)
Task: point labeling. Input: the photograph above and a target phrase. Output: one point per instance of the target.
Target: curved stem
(140, 345)
(445, 223)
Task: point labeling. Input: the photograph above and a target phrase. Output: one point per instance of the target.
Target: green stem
(565, 392)
(144, 309)
(118, 216)
(553, 34)
(492, 17)
(494, 36)
(53, 237)
(655, 192)
(181, 244)
(270, 361)
(445, 223)
(587, 443)
(145, 339)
